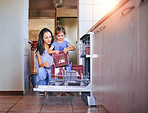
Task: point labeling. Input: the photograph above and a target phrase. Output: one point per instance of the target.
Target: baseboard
(11, 92)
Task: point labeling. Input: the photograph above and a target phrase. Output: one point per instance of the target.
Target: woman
(42, 59)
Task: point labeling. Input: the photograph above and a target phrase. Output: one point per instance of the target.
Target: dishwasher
(72, 78)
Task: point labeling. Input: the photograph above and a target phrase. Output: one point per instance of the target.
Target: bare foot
(67, 94)
(59, 94)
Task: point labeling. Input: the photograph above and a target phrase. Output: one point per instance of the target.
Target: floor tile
(76, 99)
(88, 110)
(22, 112)
(80, 106)
(102, 109)
(62, 99)
(9, 99)
(57, 107)
(32, 100)
(5, 107)
(33, 103)
(26, 107)
(57, 112)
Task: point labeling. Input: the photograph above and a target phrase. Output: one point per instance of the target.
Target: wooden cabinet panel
(66, 12)
(143, 57)
(117, 69)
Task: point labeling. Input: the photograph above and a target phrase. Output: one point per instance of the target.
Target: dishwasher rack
(69, 81)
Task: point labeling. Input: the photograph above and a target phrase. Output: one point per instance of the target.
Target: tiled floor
(33, 103)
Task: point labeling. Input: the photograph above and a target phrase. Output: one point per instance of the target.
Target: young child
(61, 45)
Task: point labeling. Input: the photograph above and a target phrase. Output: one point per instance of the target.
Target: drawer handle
(103, 27)
(127, 10)
(100, 29)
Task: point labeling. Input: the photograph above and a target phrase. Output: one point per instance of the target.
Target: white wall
(90, 12)
(12, 45)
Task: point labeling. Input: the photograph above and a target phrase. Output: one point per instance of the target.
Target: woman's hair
(59, 29)
(40, 44)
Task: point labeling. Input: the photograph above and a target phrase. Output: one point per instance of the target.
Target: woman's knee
(42, 73)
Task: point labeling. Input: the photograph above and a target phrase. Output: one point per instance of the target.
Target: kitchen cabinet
(119, 71)
(61, 12)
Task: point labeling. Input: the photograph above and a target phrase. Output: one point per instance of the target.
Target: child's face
(47, 38)
(60, 36)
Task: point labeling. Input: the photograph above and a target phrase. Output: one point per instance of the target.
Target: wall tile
(105, 2)
(99, 11)
(85, 12)
(85, 1)
(84, 26)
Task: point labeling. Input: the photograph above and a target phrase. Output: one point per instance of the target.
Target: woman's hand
(56, 51)
(46, 64)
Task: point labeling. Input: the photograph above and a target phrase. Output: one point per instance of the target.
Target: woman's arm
(50, 50)
(41, 64)
(71, 48)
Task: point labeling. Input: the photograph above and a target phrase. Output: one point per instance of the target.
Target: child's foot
(59, 94)
(67, 94)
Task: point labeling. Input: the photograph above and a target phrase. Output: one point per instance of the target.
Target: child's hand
(65, 50)
(46, 64)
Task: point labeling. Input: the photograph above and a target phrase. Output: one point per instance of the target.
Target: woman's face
(47, 38)
(60, 36)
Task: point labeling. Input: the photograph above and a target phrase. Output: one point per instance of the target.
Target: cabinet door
(115, 71)
(143, 55)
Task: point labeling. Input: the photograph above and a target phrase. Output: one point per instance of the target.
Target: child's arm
(41, 64)
(71, 48)
(50, 50)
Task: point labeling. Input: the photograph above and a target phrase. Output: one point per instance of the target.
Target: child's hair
(59, 29)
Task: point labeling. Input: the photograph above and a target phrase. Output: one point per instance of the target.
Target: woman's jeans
(42, 78)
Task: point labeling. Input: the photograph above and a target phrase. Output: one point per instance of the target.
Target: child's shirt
(60, 46)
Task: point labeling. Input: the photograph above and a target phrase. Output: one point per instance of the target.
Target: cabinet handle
(101, 28)
(127, 10)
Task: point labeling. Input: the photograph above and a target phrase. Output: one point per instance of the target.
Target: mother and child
(43, 54)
